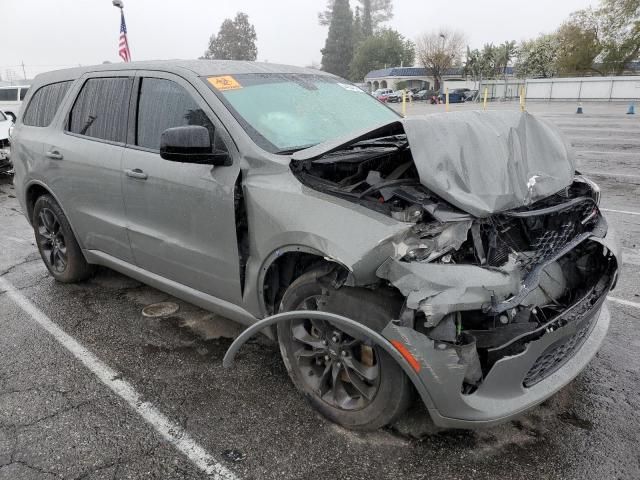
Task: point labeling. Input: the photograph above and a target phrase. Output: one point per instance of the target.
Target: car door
(84, 162)
(181, 219)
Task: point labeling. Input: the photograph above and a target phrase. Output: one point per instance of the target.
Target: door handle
(54, 155)
(136, 173)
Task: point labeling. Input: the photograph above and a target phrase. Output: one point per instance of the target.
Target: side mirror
(190, 144)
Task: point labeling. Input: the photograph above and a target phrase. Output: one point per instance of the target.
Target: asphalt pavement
(92, 389)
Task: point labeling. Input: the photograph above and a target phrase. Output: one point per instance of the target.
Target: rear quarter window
(23, 93)
(44, 104)
(101, 109)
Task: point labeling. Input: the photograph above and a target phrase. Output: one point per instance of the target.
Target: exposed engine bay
(484, 285)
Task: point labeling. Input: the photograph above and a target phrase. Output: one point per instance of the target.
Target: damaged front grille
(560, 352)
(555, 356)
(535, 236)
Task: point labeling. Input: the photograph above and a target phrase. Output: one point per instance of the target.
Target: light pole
(118, 3)
(443, 37)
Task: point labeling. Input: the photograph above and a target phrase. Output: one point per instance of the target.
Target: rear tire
(57, 245)
(330, 376)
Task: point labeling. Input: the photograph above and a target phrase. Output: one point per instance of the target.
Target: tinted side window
(44, 104)
(9, 94)
(100, 111)
(165, 104)
(23, 93)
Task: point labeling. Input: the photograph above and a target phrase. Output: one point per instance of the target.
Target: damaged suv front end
(505, 267)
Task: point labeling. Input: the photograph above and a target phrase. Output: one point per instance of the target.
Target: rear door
(86, 162)
(181, 218)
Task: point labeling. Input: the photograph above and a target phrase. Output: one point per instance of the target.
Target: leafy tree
(489, 61)
(538, 57)
(236, 40)
(620, 33)
(337, 53)
(385, 48)
(439, 50)
(374, 14)
(578, 43)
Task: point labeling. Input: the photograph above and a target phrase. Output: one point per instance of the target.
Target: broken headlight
(593, 187)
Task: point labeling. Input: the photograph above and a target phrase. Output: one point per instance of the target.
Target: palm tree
(505, 53)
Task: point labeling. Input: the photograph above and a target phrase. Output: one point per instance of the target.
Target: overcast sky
(50, 34)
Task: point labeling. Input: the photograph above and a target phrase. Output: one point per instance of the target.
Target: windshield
(288, 112)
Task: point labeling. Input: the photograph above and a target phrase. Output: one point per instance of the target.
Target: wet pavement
(57, 420)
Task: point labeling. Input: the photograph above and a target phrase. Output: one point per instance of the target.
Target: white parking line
(624, 302)
(625, 212)
(170, 431)
(613, 175)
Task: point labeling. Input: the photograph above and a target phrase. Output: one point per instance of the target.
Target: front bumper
(502, 394)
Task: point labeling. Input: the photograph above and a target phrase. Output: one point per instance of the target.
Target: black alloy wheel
(342, 374)
(57, 245)
(51, 240)
(342, 370)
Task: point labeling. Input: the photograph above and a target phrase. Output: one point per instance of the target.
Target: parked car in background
(11, 99)
(455, 96)
(456, 255)
(382, 94)
(5, 124)
(396, 96)
(425, 95)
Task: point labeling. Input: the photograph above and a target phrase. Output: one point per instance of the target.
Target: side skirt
(183, 292)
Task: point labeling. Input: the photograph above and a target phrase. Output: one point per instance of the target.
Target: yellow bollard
(522, 100)
(404, 103)
(484, 102)
(446, 93)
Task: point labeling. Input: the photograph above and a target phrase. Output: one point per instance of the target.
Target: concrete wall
(580, 88)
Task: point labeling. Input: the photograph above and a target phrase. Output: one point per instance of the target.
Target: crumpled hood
(488, 162)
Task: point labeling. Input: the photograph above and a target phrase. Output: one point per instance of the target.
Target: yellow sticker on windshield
(226, 82)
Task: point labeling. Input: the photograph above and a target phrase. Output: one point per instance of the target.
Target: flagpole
(124, 51)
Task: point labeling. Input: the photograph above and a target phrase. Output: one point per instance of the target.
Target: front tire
(349, 380)
(57, 245)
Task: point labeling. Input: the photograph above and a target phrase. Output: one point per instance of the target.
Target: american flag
(123, 46)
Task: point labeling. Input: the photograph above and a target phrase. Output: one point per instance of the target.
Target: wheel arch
(34, 190)
(288, 263)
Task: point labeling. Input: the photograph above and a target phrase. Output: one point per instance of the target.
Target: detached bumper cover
(557, 357)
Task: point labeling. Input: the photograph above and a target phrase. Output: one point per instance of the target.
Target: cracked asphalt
(57, 420)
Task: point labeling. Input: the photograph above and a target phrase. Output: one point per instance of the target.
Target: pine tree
(358, 34)
(367, 19)
(338, 51)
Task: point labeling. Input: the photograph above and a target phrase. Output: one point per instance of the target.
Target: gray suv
(459, 257)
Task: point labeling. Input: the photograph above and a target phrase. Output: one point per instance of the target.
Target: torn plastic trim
(437, 289)
(378, 339)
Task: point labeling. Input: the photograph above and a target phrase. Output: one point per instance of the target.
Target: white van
(11, 99)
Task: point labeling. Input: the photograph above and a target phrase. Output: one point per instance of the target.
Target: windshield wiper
(291, 150)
